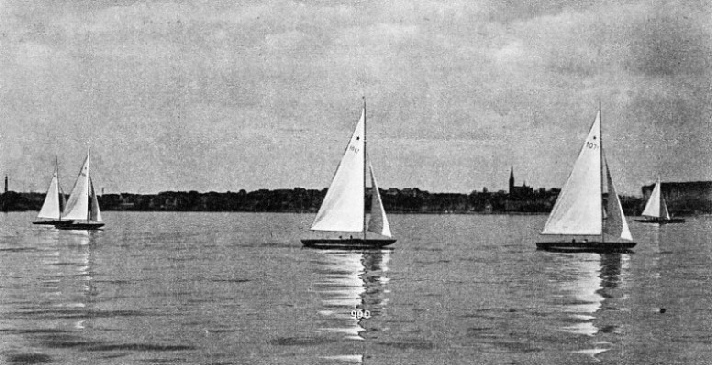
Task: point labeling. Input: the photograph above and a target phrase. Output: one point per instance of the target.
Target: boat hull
(52, 223)
(351, 243)
(85, 226)
(661, 221)
(586, 247)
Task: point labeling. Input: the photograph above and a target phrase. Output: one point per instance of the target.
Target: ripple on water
(28, 358)
(301, 341)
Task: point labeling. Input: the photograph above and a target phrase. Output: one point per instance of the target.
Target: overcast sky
(229, 95)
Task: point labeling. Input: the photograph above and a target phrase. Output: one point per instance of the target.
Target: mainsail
(343, 206)
(616, 224)
(51, 208)
(578, 208)
(656, 207)
(378, 222)
(78, 204)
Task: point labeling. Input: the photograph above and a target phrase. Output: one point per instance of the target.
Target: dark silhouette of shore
(408, 200)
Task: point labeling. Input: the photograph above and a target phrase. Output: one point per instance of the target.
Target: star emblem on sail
(579, 206)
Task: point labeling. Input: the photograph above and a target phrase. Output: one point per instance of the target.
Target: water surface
(238, 288)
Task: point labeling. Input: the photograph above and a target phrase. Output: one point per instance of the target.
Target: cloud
(220, 95)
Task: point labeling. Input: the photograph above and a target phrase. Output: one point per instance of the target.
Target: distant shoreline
(395, 201)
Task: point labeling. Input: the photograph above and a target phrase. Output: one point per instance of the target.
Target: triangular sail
(616, 224)
(378, 222)
(78, 202)
(62, 198)
(656, 207)
(578, 208)
(94, 212)
(343, 207)
(51, 208)
(663, 207)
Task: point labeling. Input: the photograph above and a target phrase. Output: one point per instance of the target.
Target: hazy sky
(229, 95)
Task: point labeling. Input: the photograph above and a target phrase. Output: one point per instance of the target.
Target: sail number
(592, 145)
(360, 313)
(353, 148)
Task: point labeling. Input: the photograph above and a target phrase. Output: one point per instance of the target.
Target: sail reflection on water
(353, 293)
(79, 242)
(67, 279)
(589, 284)
(72, 278)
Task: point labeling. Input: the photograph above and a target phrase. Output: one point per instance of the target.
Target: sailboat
(343, 208)
(656, 210)
(82, 210)
(579, 208)
(51, 211)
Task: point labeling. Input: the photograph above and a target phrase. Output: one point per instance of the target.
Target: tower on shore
(511, 181)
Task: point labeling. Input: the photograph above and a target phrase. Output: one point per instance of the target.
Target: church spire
(511, 180)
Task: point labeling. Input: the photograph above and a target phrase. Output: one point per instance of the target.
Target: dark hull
(348, 244)
(86, 226)
(661, 221)
(586, 247)
(53, 223)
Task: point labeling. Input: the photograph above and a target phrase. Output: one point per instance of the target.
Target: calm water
(202, 288)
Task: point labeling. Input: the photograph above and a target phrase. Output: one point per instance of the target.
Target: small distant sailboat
(579, 208)
(656, 210)
(82, 211)
(51, 211)
(343, 208)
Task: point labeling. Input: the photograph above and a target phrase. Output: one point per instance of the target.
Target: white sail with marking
(578, 208)
(51, 208)
(378, 222)
(616, 224)
(78, 203)
(656, 207)
(94, 211)
(343, 206)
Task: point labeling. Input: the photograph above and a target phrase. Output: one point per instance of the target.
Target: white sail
(656, 207)
(343, 206)
(51, 207)
(616, 224)
(663, 206)
(78, 204)
(94, 211)
(578, 208)
(378, 222)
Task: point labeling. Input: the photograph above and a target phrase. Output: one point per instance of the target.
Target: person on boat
(573, 240)
(341, 237)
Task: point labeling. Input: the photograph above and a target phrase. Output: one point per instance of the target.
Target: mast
(365, 167)
(600, 157)
(59, 190)
(88, 181)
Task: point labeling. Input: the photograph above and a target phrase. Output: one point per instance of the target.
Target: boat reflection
(352, 285)
(588, 285)
(69, 279)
